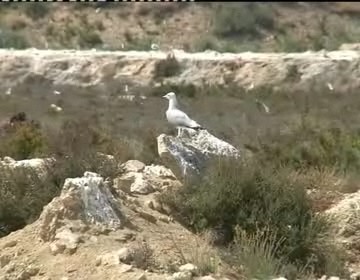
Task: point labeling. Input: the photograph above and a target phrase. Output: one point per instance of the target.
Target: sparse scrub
(36, 11)
(254, 254)
(88, 38)
(242, 19)
(203, 255)
(22, 141)
(22, 196)
(256, 196)
(11, 39)
(137, 44)
(167, 67)
(143, 255)
(311, 146)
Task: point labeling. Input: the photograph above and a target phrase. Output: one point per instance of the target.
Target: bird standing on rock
(177, 117)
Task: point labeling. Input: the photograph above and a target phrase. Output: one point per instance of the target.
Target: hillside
(94, 183)
(266, 27)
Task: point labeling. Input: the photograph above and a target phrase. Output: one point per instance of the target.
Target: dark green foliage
(242, 19)
(36, 10)
(11, 39)
(252, 197)
(167, 67)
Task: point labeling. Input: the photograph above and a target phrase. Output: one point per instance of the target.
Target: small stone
(11, 243)
(32, 270)
(164, 219)
(207, 277)
(147, 216)
(10, 268)
(125, 268)
(24, 275)
(355, 276)
(71, 269)
(149, 204)
(141, 277)
(93, 239)
(98, 261)
(124, 236)
(182, 275)
(124, 255)
(133, 166)
(4, 260)
(334, 278)
(56, 248)
(189, 267)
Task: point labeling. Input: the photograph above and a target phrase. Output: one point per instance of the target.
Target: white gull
(177, 117)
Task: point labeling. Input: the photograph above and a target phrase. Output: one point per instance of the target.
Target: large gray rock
(190, 153)
(83, 202)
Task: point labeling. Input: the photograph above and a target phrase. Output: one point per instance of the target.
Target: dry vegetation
(259, 208)
(246, 26)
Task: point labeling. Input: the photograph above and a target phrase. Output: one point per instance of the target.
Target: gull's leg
(178, 131)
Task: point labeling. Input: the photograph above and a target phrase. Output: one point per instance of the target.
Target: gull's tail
(196, 126)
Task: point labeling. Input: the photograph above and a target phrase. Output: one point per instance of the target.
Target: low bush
(37, 11)
(23, 194)
(22, 140)
(12, 39)
(242, 19)
(167, 67)
(311, 146)
(254, 197)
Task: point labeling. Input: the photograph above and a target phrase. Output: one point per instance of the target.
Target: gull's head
(170, 96)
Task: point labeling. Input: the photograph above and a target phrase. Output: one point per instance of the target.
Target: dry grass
(203, 254)
(317, 154)
(297, 27)
(142, 255)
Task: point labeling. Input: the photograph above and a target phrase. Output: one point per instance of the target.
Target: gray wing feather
(179, 118)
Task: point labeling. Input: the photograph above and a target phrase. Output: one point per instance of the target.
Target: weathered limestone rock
(87, 200)
(189, 154)
(347, 223)
(100, 71)
(141, 179)
(39, 165)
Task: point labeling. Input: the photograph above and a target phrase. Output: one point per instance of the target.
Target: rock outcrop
(140, 179)
(188, 155)
(84, 201)
(38, 165)
(346, 213)
(102, 71)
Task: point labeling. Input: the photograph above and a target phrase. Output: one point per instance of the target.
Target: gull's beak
(165, 96)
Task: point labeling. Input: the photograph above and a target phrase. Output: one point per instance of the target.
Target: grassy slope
(193, 27)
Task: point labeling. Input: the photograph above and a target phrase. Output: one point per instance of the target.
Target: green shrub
(22, 141)
(11, 39)
(242, 19)
(36, 11)
(311, 146)
(256, 253)
(88, 38)
(252, 197)
(23, 194)
(167, 67)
